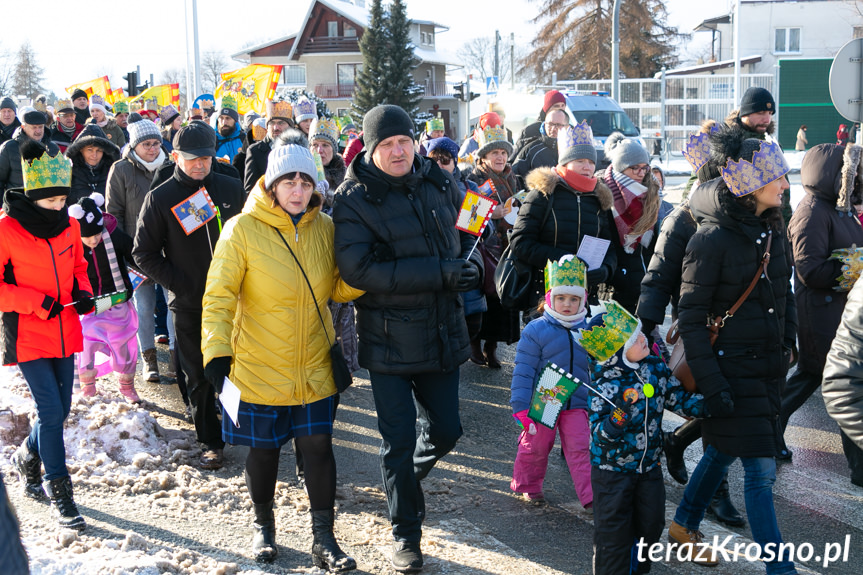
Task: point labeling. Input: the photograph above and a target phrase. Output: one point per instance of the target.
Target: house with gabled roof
(324, 56)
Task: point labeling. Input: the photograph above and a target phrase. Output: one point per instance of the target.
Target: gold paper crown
(63, 104)
(324, 127)
(281, 109)
(852, 265)
(570, 273)
(603, 341)
(47, 171)
(228, 102)
(491, 134)
(434, 124)
(697, 149)
(768, 164)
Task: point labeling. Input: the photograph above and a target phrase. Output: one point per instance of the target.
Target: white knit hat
(288, 159)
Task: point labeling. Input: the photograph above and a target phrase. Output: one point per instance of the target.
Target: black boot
(59, 491)
(264, 542)
(29, 467)
(326, 553)
(675, 444)
(722, 507)
(490, 349)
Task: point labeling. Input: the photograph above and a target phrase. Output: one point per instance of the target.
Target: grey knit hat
(624, 152)
(8, 102)
(288, 159)
(141, 131)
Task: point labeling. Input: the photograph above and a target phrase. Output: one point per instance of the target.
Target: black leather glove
(83, 302)
(51, 305)
(720, 404)
(459, 275)
(216, 371)
(596, 277)
(647, 328)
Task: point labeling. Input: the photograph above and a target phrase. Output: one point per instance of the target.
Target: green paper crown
(604, 340)
(434, 124)
(229, 102)
(121, 108)
(571, 273)
(47, 171)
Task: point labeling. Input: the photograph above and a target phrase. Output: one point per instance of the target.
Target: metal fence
(687, 102)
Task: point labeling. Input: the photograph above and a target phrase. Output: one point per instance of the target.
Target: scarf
(40, 222)
(68, 131)
(577, 182)
(150, 166)
(629, 207)
(112, 261)
(568, 321)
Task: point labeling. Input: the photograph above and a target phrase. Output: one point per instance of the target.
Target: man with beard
(32, 128)
(67, 129)
(8, 121)
(229, 139)
(278, 120)
(755, 116)
(82, 106)
(179, 261)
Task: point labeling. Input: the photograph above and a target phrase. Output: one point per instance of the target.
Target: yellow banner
(160, 95)
(251, 87)
(99, 86)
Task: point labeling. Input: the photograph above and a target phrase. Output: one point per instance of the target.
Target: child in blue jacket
(626, 439)
(553, 337)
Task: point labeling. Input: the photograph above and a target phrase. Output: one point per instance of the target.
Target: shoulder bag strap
(762, 270)
(308, 283)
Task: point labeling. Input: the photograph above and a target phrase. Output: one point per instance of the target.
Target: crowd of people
(336, 246)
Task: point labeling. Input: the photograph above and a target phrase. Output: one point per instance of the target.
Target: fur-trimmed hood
(546, 181)
(92, 135)
(851, 190)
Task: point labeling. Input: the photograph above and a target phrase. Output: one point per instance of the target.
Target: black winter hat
(79, 93)
(385, 121)
(757, 100)
(8, 102)
(88, 214)
(195, 140)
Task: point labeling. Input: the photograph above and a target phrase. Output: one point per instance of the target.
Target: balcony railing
(346, 91)
(319, 44)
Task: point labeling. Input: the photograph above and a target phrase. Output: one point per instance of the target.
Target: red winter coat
(33, 268)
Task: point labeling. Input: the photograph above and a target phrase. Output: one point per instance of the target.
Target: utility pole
(497, 53)
(512, 60)
(736, 17)
(615, 52)
(197, 73)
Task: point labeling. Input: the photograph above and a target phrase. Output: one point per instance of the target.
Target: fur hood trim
(852, 178)
(545, 180)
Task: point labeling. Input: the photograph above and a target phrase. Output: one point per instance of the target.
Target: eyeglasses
(151, 144)
(294, 184)
(638, 169)
(554, 125)
(444, 161)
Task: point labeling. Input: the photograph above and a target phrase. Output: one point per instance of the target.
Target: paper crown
(47, 171)
(228, 103)
(852, 266)
(40, 105)
(259, 129)
(697, 149)
(326, 128)
(435, 124)
(345, 122)
(121, 108)
(768, 164)
(168, 113)
(64, 104)
(603, 341)
(574, 135)
(305, 109)
(281, 109)
(490, 135)
(97, 99)
(571, 272)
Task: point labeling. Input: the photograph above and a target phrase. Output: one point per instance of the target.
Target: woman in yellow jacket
(262, 330)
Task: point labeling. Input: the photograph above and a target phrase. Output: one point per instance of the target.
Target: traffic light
(131, 83)
(459, 91)
(474, 96)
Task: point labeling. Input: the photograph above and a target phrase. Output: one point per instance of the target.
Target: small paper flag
(136, 278)
(195, 211)
(553, 388)
(107, 301)
(319, 164)
(474, 214)
(487, 189)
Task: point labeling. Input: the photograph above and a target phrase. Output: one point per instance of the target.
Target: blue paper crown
(768, 164)
(697, 149)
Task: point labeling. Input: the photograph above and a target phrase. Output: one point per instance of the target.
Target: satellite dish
(846, 81)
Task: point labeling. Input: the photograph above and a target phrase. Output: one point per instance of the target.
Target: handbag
(513, 278)
(341, 374)
(677, 361)
(490, 263)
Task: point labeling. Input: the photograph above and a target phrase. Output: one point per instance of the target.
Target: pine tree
(402, 90)
(369, 80)
(575, 39)
(27, 75)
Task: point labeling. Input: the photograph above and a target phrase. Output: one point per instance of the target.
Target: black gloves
(647, 328)
(216, 371)
(720, 404)
(618, 420)
(459, 275)
(50, 305)
(596, 277)
(83, 302)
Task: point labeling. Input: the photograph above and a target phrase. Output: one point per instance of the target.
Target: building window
(423, 38)
(350, 31)
(787, 41)
(858, 32)
(294, 74)
(347, 73)
(332, 29)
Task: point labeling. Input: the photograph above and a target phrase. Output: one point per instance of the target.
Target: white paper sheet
(230, 398)
(592, 251)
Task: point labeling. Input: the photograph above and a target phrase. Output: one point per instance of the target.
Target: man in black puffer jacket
(179, 262)
(395, 238)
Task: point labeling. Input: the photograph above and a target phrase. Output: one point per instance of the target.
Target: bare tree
(5, 71)
(27, 74)
(212, 65)
(478, 58)
(176, 76)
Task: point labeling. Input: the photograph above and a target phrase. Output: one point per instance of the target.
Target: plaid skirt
(272, 426)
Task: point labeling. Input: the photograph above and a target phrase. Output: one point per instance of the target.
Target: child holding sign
(626, 440)
(110, 342)
(553, 337)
